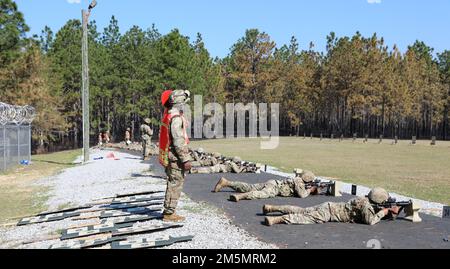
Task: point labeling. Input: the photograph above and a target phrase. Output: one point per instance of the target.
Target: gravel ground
(104, 178)
(429, 208)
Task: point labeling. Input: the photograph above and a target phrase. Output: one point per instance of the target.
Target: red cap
(165, 97)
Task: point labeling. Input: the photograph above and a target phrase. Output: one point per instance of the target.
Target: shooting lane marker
(446, 212)
(47, 218)
(354, 190)
(146, 243)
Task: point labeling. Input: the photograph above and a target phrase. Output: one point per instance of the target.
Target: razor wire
(18, 115)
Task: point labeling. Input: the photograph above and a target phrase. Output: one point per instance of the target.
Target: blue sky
(222, 23)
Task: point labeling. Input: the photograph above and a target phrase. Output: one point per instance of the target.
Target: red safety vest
(165, 137)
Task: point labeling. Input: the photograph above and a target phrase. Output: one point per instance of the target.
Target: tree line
(358, 85)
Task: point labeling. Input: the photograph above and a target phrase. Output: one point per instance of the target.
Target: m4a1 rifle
(325, 188)
(410, 208)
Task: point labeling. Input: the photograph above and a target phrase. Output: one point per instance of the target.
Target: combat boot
(238, 197)
(274, 220)
(173, 218)
(223, 183)
(268, 209)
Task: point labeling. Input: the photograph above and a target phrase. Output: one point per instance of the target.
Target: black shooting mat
(431, 233)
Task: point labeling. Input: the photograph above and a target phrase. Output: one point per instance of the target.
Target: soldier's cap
(147, 120)
(200, 150)
(298, 171)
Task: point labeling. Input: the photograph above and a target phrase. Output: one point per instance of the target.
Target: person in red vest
(173, 149)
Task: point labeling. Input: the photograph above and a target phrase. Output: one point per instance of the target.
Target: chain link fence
(15, 135)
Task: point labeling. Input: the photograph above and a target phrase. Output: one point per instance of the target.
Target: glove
(187, 166)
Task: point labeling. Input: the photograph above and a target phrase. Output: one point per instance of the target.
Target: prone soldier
(365, 210)
(228, 166)
(285, 188)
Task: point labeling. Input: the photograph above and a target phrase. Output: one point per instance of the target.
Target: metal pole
(18, 145)
(29, 143)
(4, 148)
(85, 86)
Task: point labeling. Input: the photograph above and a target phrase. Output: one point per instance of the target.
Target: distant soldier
(146, 135)
(173, 149)
(100, 139)
(106, 137)
(272, 188)
(128, 136)
(358, 210)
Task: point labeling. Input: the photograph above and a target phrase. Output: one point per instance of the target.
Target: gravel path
(104, 178)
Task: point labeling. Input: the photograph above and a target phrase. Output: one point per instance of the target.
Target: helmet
(217, 155)
(298, 172)
(237, 159)
(200, 150)
(180, 97)
(147, 120)
(165, 97)
(378, 195)
(308, 176)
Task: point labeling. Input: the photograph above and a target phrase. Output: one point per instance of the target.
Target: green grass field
(18, 196)
(421, 171)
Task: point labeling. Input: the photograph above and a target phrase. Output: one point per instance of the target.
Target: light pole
(85, 80)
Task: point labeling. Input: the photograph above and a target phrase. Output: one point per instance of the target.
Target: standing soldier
(173, 149)
(128, 136)
(100, 139)
(146, 134)
(107, 138)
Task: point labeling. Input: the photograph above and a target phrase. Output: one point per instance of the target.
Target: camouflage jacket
(178, 150)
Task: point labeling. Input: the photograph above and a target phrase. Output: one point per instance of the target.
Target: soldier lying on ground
(358, 210)
(236, 165)
(297, 186)
(201, 158)
(146, 135)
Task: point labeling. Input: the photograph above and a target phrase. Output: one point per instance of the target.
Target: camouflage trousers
(326, 212)
(175, 184)
(266, 190)
(198, 169)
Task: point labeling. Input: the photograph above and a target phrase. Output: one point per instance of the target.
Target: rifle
(391, 203)
(325, 188)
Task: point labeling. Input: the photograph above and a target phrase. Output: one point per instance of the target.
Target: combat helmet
(180, 97)
(378, 195)
(217, 155)
(237, 159)
(200, 150)
(306, 176)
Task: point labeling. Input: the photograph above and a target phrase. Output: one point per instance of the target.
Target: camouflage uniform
(146, 134)
(228, 167)
(202, 160)
(272, 188)
(358, 210)
(178, 155)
